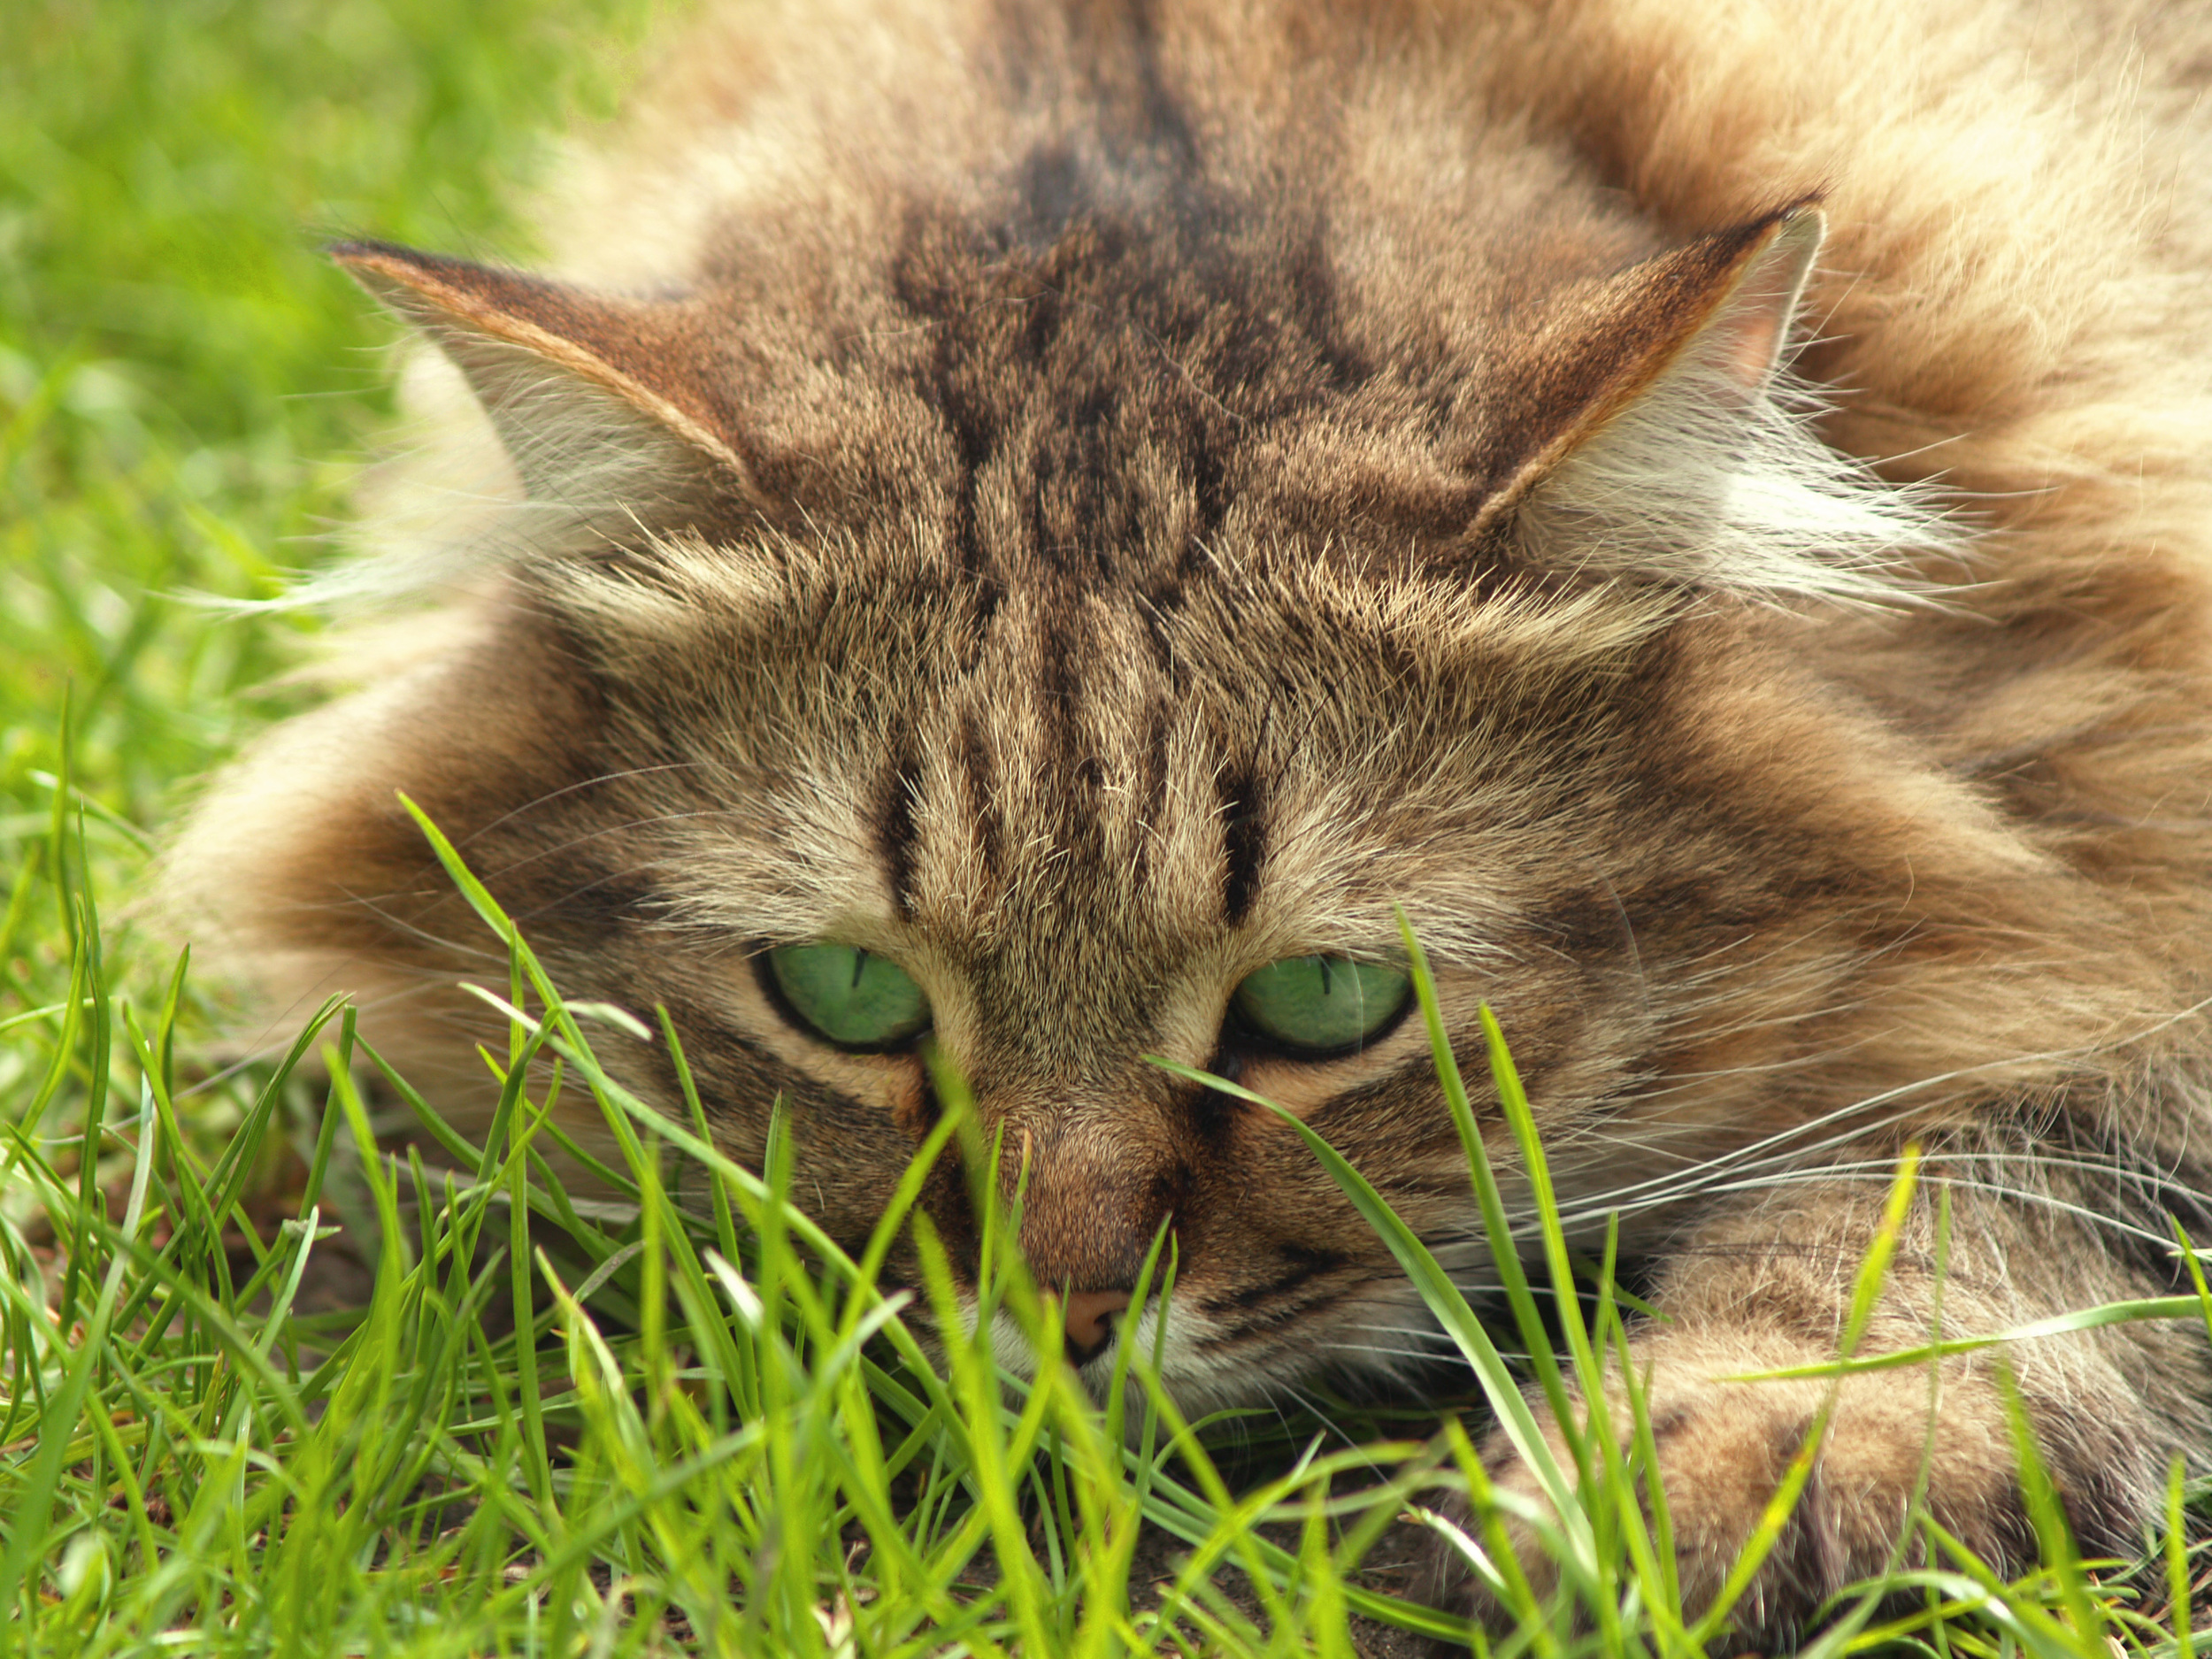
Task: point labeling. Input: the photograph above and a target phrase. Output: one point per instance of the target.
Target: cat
(1030, 527)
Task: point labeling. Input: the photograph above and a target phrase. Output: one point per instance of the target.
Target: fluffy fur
(1087, 500)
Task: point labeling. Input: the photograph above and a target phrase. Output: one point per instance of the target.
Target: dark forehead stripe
(1243, 840)
(922, 279)
(895, 823)
(1105, 358)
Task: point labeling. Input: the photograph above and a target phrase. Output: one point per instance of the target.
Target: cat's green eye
(853, 997)
(1320, 1005)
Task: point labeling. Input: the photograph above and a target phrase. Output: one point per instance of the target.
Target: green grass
(266, 1390)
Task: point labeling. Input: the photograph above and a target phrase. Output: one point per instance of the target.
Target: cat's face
(1048, 659)
(1074, 831)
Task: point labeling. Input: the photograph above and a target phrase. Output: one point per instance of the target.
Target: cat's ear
(1748, 283)
(1676, 449)
(600, 400)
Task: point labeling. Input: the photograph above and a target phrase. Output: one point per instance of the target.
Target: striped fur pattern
(1087, 498)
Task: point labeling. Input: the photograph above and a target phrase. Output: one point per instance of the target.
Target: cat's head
(1067, 632)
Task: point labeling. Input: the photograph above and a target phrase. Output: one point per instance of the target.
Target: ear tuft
(545, 359)
(616, 414)
(1697, 463)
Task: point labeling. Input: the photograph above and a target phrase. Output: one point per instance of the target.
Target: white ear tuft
(611, 425)
(1713, 476)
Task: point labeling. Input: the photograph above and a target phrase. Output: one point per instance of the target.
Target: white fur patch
(1698, 484)
(555, 468)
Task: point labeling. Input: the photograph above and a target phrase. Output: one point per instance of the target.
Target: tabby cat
(1029, 526)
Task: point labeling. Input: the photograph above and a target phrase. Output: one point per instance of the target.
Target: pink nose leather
(1089, 1316)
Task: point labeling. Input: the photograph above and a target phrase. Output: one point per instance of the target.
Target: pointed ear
(1750, 327)
(1682, 455)
(1722, 304)
(599, 399)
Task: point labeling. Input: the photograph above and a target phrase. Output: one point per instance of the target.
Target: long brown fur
(1086, 499)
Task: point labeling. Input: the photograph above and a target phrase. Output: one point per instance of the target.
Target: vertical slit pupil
(860, 963)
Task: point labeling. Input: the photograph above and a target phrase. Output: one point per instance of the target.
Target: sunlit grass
(708, 1429)
(635, 1425)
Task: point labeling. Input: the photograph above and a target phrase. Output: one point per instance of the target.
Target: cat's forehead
(1089, 785)
(1089, 367)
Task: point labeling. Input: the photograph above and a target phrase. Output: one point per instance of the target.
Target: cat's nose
(1090, 1322)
